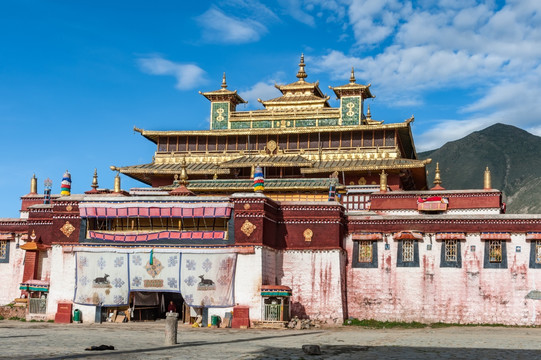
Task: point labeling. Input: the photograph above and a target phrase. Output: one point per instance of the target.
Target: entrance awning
(275, 290)
(408, 235)
(367, 236)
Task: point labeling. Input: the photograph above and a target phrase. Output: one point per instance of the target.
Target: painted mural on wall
(160, 274)
(105, 278)
(101, 278)
(208, 279)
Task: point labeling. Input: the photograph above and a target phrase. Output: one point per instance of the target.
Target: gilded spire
(117, 188)
(383, 181)
(437, 177)
(487, 183)
(224, 83)
(183, 173)
(352, 77)
(95, 180)
(368, 113)
(34, 184)
(301, 75)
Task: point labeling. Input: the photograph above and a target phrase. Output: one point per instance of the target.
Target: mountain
(512, 155)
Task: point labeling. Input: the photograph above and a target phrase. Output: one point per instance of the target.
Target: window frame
(399, 258)
(443, 260)
(495, 265)
(533, 263)
(355, 258)
(6, 245)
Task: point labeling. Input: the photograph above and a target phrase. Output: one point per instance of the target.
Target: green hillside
(512, 155)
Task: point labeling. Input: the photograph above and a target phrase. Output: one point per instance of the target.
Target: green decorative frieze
(305, 123)
(328, 122)
(350, 110)
(262, 124)
(219, 115)
(240, 125)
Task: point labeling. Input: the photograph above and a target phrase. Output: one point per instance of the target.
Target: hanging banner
(207, 280)
(160, 274)
(101, 279)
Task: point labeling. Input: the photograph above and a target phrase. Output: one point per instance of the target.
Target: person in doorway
(171, 307)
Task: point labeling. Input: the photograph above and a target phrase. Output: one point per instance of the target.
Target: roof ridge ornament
(301, 74)
(352, 77)
(224, 83)
(95, 180)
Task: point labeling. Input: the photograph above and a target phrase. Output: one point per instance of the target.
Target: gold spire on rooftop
(437, 179)
(95, 180)
(487, 180)
(34, 184)
(224, 83)
(368, 113)
(383, 181)
(301, 75)
(183, 173)
(352, 77)
(117, 187)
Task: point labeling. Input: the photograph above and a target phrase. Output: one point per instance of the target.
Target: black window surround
(355, 261)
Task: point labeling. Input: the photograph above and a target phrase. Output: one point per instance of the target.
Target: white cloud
(294, 9)
(262, 90)
(188, 75)
(218, 27)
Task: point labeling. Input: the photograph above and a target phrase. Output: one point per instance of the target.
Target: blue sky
(75, 77)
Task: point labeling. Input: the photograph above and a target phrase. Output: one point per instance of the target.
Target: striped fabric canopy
(145, 211)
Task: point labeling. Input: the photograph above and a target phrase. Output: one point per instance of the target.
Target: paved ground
(20, 340)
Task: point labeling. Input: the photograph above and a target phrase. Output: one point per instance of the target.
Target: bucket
(77, 315)
(215, 320)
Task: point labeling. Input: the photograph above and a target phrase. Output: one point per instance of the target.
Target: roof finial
(95, 180)
(224, 83)
(487, 183)
(437, 177)
(183, 173)
(301, 75)
(368, 113)
(34, 184)
(352, 77)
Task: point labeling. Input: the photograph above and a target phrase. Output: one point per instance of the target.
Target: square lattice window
(407, 251)
(451, 250)
(365, 251)
(495, 251)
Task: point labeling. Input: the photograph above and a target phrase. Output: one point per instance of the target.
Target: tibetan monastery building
(342, 223)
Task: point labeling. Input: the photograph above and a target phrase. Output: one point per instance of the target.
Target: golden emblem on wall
(350, 107)
(220, 116)
(69, 208)
(362, 181)
(308, 233)
(271, 146)
(67, 229)
(246, 206)
(248, 228)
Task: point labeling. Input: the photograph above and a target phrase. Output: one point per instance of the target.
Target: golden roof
(223, 94)
(352, 88)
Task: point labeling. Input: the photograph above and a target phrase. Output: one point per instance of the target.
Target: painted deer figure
(206, 282)
(102, 280)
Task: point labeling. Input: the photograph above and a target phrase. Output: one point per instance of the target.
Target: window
(451, 250)
(365, 251)
(408, 253)
(495, 251)
(535, 254)
(4, 251)
(407, 250)
(495, 254)
(450, 253)
(365, 254)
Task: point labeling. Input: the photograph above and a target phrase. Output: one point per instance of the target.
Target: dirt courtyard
(31, 340)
